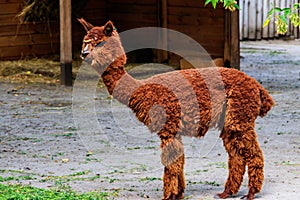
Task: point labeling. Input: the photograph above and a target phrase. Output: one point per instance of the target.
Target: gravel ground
(42, 146)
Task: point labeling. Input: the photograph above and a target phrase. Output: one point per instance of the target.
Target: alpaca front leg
(181, 179)
(173, 159)
(174, 182)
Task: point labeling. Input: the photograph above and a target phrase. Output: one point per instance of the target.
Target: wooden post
(65, 42)
(232, 42)
(162, 56)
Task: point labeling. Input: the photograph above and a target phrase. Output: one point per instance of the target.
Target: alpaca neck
(119, 83)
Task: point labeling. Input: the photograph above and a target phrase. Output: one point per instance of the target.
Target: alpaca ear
(87, 26)
(108, 28)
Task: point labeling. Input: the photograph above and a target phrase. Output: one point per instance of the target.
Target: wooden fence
(253, 14)
(22, 40)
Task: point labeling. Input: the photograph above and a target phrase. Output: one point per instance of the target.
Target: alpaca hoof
(223, 195)
(248, 197)
(180, 195)
(175, 197)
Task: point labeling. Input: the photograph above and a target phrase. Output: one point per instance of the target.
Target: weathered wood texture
(128, 14)
(65, 13)
(253, 15)
(232, 43)
(23, 40)
(19, 41)
(204, 24)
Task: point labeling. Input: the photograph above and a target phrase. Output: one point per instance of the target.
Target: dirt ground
(41, 145)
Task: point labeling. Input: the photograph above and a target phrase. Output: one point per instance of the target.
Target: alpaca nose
(85, 51)
(84, 54)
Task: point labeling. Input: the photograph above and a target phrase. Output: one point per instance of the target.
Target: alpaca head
(102, 46)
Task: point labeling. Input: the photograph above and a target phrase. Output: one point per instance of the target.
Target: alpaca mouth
(84, 54)
(86, 51)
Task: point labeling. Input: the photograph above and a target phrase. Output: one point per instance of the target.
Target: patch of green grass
(219, 164)
(29, 139)
(20, 192)
(111, 180)
(287, 163)
(203, 170)
(133, 148)
(16, 178)
(72, 129)
(282, 133)
(66, 134)
(212, 183)
(274, 53)
(77, 176)
(116, 171)
(80, 173)
(150, 147)
(11, 171)
(150, 179)
(93, 160)
(250, 51)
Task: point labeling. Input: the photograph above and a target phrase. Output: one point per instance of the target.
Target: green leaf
(207, 2)
(295, 19)
(277, 9)
(296, 6)
(271, 12)
(283, 18)
(266, 22)
(237, 6)
(286, 11)
(213, 2)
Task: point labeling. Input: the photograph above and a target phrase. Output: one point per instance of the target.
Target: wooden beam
(232, 43)
(162, 13)
(65, 42)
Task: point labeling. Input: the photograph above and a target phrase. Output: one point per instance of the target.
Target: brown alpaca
(179, 103)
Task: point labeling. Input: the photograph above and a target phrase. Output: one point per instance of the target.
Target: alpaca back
(181, 101)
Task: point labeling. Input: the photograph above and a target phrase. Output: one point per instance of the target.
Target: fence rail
(253, 13)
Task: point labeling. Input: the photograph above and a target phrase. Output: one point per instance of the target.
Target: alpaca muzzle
(85, 52)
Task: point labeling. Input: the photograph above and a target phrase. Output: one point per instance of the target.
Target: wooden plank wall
(253, 14)
(23, 40)
(204, 24)
(95, 12)
(19, 41)
(129, 14)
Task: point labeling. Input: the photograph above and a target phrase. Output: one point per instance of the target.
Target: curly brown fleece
(180, 103)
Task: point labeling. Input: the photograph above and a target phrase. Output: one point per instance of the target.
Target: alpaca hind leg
(236, 167)
(173, 160)
(255, 163)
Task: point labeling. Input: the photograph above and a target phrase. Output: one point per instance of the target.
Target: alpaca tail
(266, 102)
